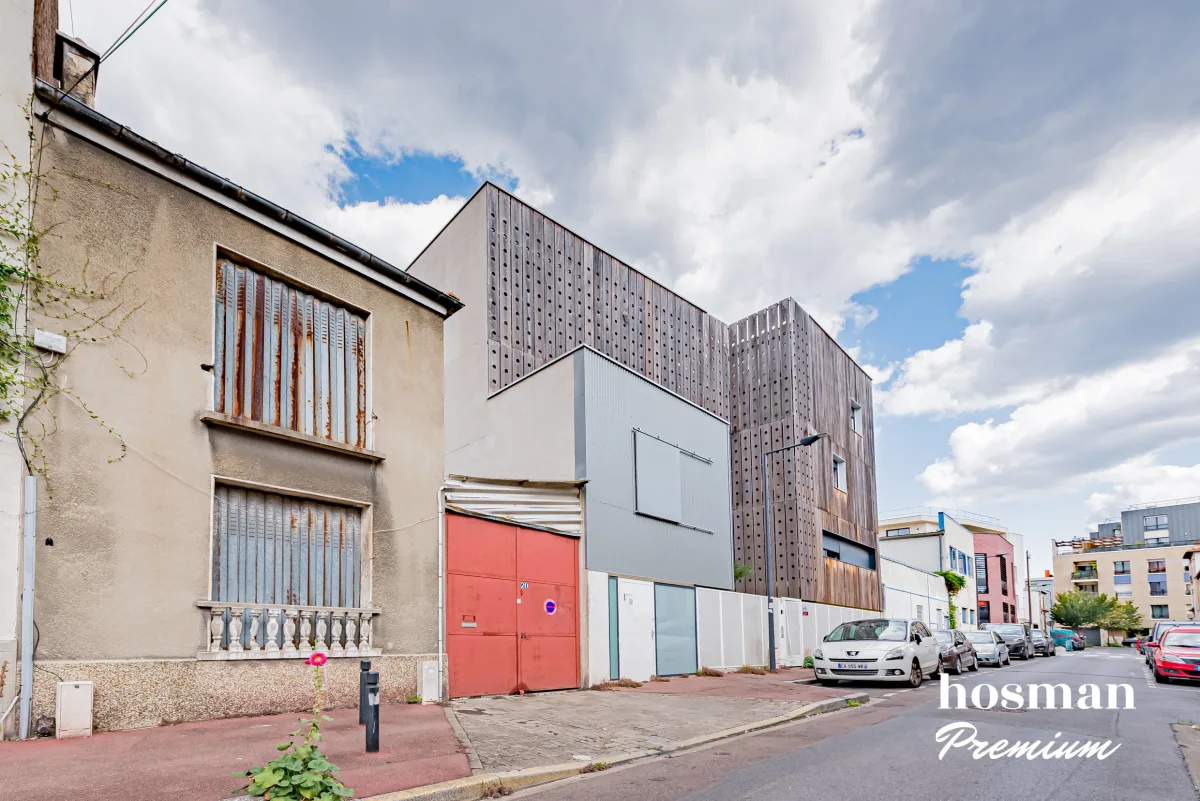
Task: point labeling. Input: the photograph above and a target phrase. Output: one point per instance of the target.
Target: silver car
(990, 648)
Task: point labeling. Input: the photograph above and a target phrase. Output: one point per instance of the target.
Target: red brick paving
(195, 760)
(775, 686)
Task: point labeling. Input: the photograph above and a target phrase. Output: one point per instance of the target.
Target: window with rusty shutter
(288, 358)
(278, 549)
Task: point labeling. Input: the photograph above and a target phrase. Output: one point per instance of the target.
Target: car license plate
(853, 666)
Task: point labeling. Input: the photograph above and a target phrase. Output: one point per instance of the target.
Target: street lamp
(804, 443)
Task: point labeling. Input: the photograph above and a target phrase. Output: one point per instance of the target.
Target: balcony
(270, 631)
(1085, 575)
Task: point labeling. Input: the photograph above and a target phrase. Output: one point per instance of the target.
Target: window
(985, 611)
(839, 473)
(897, 532)
(845, 550)
(920, 612)
(1119, 579)
(287, 358)
(278, 549)
(1156, 566)
(1120, 568)
(1158, 588)
(1160, 612)
(664, 475)
(855, 417)
(1124, 591)
(981, 576)
(1154, 522)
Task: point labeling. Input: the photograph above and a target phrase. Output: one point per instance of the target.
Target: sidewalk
(514, 732)
(195, 760)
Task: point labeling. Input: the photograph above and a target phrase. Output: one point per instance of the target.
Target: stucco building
(244, 467)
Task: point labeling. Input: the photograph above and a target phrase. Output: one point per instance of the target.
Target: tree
(954, 584)
(1125, 617)
(1078, 608)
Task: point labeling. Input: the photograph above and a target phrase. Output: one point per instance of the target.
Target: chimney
(75, 68)
(45, 23)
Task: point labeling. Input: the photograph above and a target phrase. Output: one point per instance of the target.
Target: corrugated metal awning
(551, 505)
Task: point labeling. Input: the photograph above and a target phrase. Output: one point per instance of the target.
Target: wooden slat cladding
(276, 549)
(549, 291)
(851, 585)
(289, 359)
(788, 378)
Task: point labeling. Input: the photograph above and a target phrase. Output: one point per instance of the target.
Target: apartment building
(933, 540)
(996, 582)
(1156, 578)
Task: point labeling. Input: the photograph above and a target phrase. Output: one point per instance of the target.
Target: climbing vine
(954, 584)
(85, 309)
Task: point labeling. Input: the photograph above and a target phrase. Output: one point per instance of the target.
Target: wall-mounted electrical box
(73, 709)
(48, 340)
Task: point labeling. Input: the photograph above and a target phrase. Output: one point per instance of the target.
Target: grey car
(956, 651)
(1017, 636)
(1042, 644)
(989, 648)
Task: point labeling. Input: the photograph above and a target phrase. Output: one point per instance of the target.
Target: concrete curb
(465, 741)
(486, 785)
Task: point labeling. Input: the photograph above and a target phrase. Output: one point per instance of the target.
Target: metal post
(770, 577)
(364, 666)
(372, 713)
(1029, 590)
(28, 561)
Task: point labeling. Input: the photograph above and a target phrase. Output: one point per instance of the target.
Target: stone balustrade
(272, 631)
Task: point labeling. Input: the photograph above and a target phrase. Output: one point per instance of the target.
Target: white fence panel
(803, 624)
(731, 628)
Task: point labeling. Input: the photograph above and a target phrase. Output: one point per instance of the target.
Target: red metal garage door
(512, 621)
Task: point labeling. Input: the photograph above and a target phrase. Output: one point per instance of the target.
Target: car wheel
(974, 665)
(958, 666)
(1008, 659)
(916, 675)
(1160, 678)
(1024, 656)
(826, 682)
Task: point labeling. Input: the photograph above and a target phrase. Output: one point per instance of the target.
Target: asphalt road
(887, 750)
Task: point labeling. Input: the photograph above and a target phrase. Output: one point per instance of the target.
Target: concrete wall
(131, 534)
(615, 402)
(906, 587)
(16, 83)
(924, 553)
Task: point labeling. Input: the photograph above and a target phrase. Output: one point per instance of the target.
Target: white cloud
(393, 230)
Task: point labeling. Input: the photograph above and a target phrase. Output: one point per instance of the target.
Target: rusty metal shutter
(287, 358)
(277, 549)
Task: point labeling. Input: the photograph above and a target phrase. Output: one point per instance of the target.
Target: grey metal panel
(619, 540)
(657, 488)
(1183, 521)
(287, 358)
(675, 630)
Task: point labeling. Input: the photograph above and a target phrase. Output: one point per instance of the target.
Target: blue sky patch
(918, 310)
(414, 177)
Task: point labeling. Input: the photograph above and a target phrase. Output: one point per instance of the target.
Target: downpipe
(441, 607)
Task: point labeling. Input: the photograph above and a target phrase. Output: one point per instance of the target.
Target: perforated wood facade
(789, 379)
(549, 290)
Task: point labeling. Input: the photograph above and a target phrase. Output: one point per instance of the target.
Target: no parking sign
(551, 607)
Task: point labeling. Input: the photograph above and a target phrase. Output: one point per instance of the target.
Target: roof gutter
(258, 203)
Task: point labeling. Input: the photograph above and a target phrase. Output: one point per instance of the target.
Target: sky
(992, 206)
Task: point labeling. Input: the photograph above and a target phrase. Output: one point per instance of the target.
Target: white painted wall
(961, 539)
(1022, 579)
(595, 669)
(731, 628)
(801, 625)
(636, 655)
(906, 587)
(16, 84)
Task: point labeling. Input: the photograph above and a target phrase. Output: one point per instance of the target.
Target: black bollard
(364, 666)
(372, 713)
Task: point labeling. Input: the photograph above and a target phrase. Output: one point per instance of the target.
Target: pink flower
(316, 659)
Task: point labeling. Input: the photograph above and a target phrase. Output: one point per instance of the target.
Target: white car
(878, 649)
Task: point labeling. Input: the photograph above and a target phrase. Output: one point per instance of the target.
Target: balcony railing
(271, 631)
(1085, 575)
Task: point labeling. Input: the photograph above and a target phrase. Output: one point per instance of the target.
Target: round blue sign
(550, 606)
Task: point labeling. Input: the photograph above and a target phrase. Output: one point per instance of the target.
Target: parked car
(957, 651)
(1177, 654)
(989, 648)
(1078, 643)
(1063, 638)
(1042, 644)
(1017, 636)
(1130, 642)
(878, 649)
(1161, 627)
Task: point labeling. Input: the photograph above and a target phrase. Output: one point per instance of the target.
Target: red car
(1177, 655)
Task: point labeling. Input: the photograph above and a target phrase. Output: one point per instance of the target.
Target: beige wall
(528, 429)
(1177, 598)
(131, 535)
